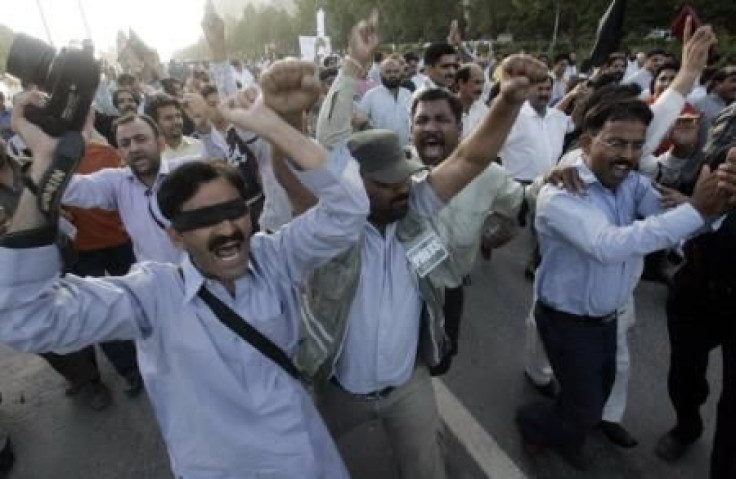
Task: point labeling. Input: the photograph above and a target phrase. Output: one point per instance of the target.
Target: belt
(371, 396)
(591, 320)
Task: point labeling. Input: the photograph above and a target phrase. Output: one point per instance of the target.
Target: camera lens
(30, 60)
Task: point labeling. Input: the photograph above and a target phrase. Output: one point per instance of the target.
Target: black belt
(592, 320)
(371, 396)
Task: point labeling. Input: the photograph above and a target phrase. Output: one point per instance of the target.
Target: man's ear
(175, 237)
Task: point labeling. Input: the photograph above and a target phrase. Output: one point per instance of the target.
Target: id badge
(427, 254)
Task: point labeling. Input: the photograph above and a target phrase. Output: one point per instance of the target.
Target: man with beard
(387, 105)
(615, 65)
(592, 247)
(225, 408)
(169, 116)
(125, 101)
(390, 283)
(470, 83)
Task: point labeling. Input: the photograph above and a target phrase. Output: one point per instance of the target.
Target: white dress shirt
(474, 115)
(224, 409)
(388, 112)
(535, 143)
(188, 147)
(382, 335)
(643, 78)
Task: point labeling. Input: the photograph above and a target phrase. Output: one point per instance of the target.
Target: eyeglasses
(621, 146)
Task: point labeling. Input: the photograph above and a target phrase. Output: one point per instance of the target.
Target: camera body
(70, 78)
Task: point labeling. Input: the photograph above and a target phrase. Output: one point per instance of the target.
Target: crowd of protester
(329, 214)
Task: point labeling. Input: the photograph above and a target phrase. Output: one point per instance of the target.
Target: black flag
(610, 32)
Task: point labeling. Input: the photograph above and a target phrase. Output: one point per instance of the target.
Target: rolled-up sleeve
(327, 229)
(41, 312)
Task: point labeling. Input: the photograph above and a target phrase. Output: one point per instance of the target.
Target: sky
(166, 25)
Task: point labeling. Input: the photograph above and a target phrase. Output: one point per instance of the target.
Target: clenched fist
(290, 86)
(518, 73)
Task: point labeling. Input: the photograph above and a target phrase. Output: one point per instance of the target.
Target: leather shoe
(550, 390)
(670, 448)
(616, 433)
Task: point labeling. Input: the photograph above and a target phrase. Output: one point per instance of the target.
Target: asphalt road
(58, 437)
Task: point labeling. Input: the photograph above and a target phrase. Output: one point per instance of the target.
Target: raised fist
(290, 86)
(364, 40)
(518, 73)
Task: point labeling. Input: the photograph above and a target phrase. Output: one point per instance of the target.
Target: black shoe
(133, 384)
(670, 448)
(550, 390)
(616, 433)
(97, 395)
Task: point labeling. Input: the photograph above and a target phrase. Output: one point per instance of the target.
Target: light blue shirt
(118, 189)
(389, 112)
(381, 341)
(224, 409)
(592, 244)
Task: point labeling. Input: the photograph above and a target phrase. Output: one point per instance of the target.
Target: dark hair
(435, 51)
(613, 57)
(116, 96)
(207, 90)
(615, 108)
(439, 94)
(559, 57)
(720, 75)
(463, 73)
(656, 51)
(160, 100)
(130, 118)
(168, 85)
(126, 78)
(670, 65)
(411, 57)
(183, 183)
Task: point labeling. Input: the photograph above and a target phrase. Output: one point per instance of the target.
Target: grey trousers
(408, 414)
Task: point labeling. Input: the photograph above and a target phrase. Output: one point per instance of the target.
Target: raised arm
(481, 147)
(334, 124)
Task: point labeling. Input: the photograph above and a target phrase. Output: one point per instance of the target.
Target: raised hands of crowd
(695, 48)
(197, 109)
(715, 191)
(213, 27)
(362, 44)
(290, 87)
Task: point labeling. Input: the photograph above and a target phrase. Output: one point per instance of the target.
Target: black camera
(70, 78)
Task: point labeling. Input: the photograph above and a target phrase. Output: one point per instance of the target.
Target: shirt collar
(163, 170)
(193, 279)
(586, 175)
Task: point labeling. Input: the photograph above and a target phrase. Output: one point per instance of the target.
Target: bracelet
(357, 65)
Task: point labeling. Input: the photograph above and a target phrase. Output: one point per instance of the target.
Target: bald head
(391, 73)
(470, 82)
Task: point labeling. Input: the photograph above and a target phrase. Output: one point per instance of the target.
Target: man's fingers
(687, 33)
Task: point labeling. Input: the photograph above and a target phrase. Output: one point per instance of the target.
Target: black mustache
(218, 241)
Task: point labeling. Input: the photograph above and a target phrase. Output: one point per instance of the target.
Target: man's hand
(684, 137)
(454, 37)
(197, 109)
(214, 32)
(670, 198)
(363, 41)
(695, 47)
(519, 74)
(289, 87)
(715, 192)
(248, 111)
(41, 145)
(566, 178)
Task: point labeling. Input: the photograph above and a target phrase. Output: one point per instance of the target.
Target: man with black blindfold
(225, 409)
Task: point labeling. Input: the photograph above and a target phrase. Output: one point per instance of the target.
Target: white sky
(166, 25)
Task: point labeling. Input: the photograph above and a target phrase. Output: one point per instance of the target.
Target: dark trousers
(81, 367)
(697, 323)
(453, 311)
(582, 353)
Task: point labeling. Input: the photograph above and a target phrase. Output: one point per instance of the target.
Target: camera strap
(50, 189)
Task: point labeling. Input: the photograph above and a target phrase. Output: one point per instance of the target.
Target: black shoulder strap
(242, 328)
